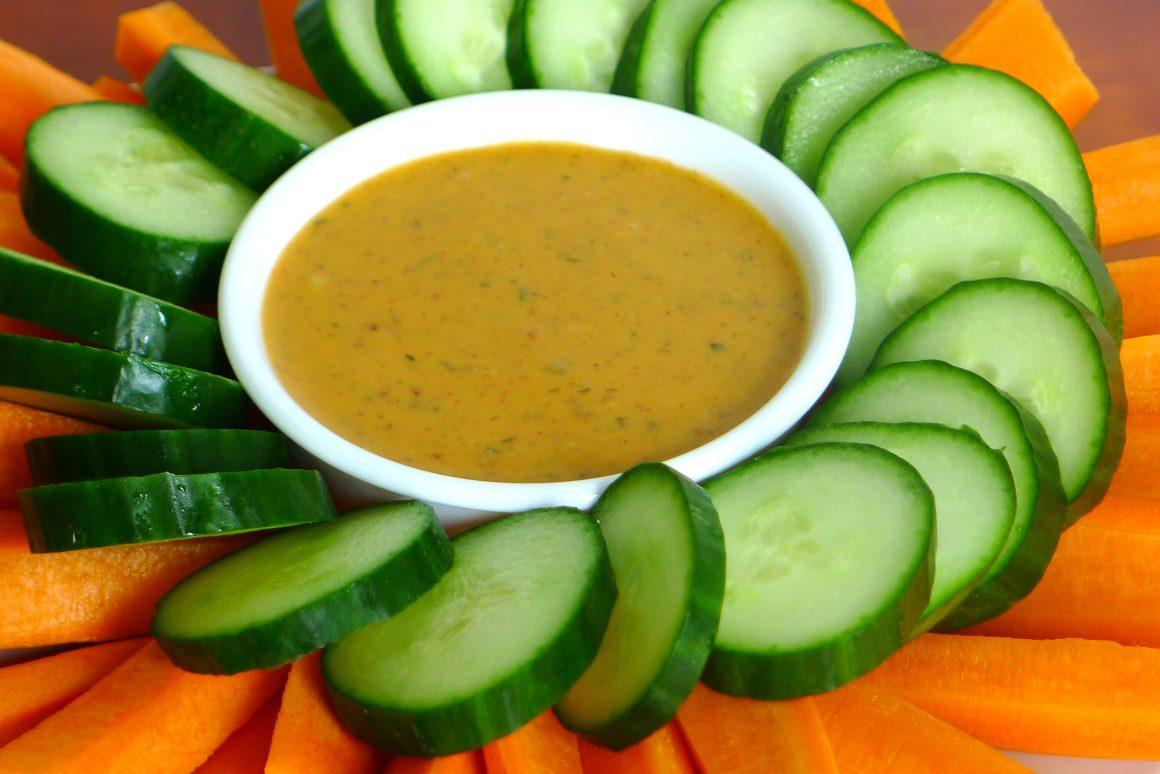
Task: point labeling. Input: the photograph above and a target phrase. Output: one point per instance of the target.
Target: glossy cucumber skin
(625, 81)
(518, 54)
(145, 509)
(392, 38)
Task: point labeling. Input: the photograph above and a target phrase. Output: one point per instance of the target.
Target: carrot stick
(1138, 281)
(36, 689)
(9, 175)
(89, 596)
(144, 35)
(1130, 514)
(1140, 358)
(282, 39)
(662, 753)
(881, 10)
(246, 750)
(14, 233)
(308, 737)
(542, 745)
(874, 732)
(463, 763)
(31, 87)
(1139, 472)
(1065, 697)
(18, 426)
(1020, 38)
(1126, 184)
(727, 734)
(117, 91)
(145, 715)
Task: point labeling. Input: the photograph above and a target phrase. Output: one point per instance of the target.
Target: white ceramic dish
(488, 119)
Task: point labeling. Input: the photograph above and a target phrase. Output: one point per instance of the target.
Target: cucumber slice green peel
(150, 509)
(302, 589)
(497, 641)
(932, 391)
(665, 542)
(653, 63)
(830, 558)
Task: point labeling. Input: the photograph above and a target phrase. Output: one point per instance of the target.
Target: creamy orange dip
(535, 312)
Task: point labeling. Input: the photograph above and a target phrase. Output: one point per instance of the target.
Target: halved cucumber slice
(118, 195)
(302, 589)
(748, 48)
(340, 41)
(664, 539)
(569, 44)
(107, 315)
(974, 499)
(112, 388)
(150, 509)
(655, 58)
(249, 123)
(1043, 350)
(63, 459)
(956, 118)
(830, 558)
(507, 631)
(821, 97)
(931, 391)
(446, 48)
(965, 226)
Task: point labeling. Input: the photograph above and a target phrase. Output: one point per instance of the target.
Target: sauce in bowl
(535, 312)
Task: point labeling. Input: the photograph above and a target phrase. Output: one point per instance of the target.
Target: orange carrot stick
(727, 734)
(246, 750)
(117, 91)
(308, 737)
(9, 175)
(874, 732)
(1126, 184)
(144, 35)
(1138, 281)
(1020, 38)
(662, 753)
(881, 10)
(18, 426)
(463, 763)
(1141, 361)
(282, 39)
(1139, 472)
(1130, 514)
(89, 596)
(36, 689)
(1065, 697)
(542, 745)
(31, 87)
(14, 233)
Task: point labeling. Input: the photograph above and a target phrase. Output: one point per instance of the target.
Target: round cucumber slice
(500, 638)
(302, 589)
(1043, 350)
(963, 226)
(956, 118)
(747, 49)
(931, 391)
(112, 388)
(665, 542)
(655, 55)
(150, 509)
(830, 557)
(63, 459)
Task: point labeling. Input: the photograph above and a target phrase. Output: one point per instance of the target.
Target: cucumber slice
(107, 315)
(118, 195)
(1043, 350)
(821, 97)
(956, 118)
(974, 499)
(249, 123)
(656, 53)
(569, 44)
(63, 459)
(446, 48)
(930, 391)
(665, 542)
(112, 388)
(150, 509)
(748, 48)
(964, 226)
(340, 41)
(500, 639)
(302, 589)
(830, 557)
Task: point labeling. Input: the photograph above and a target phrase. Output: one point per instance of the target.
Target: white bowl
(598, 120)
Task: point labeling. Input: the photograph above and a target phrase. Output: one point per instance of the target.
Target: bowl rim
(482, 120)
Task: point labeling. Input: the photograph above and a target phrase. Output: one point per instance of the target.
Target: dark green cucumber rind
(148, 509)
(518, 55)
(625, 81)
(383, 592)
(146, 392)
(394, 45)
(105, 315)
(678, 676)
(64, 459)
(342, 82)
(503, 707)
(792, 674)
